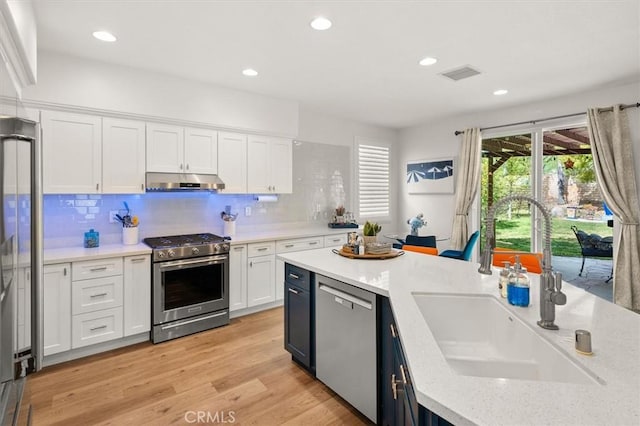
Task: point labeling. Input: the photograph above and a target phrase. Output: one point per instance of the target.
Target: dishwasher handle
(345, 296)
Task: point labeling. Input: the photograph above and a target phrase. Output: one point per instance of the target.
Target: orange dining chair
(531, 261)
(420, 249)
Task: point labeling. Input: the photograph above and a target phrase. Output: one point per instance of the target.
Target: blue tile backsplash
(321, 182)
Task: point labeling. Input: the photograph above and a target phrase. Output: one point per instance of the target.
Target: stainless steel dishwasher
(346, 343)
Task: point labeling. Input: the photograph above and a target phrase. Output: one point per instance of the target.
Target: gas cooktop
(176, 247)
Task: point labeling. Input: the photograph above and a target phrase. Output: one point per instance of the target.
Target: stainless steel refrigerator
(20, 264)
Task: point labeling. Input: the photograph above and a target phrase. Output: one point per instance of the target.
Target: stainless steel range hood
(183, 182)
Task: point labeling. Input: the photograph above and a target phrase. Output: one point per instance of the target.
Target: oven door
(186, 288)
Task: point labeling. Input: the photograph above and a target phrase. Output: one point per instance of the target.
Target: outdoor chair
(593, 246)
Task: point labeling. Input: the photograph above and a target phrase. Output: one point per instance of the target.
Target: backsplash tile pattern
(321, 181)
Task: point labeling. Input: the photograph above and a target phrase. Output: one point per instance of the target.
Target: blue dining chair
(464, 254)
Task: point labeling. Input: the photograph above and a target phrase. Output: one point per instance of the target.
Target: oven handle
(200, 261)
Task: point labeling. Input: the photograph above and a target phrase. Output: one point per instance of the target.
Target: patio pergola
(558, 142)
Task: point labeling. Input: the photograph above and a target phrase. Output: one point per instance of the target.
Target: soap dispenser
(518, 286)
(503, 280)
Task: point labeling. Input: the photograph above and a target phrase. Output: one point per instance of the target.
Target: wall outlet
(247, 211)
(112, 216)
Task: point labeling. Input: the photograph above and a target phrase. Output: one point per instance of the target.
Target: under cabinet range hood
(183, 182)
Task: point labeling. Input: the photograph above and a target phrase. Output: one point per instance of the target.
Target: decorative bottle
(503, 280)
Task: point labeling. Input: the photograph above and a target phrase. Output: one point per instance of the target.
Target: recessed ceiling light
(104, 36)
(321, 23)
(501, 92)
(249, 72)
(425, 62)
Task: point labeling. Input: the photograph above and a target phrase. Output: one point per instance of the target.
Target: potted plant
(370, 232)
(340, 214)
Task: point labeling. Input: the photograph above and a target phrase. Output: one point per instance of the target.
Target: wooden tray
(390, 255)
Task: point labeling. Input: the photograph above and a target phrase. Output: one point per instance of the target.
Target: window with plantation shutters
(373, 181)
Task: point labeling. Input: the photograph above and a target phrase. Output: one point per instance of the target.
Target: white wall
(437, 139)
(73, 81)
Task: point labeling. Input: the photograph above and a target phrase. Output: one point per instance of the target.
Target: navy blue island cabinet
(397, 403)
(299, 317)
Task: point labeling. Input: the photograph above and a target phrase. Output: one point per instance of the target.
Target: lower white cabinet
(137, 294)
(57, 308)
(261, 277)
(96, 327)
(238, 277)
(335, 240)
(94, 301)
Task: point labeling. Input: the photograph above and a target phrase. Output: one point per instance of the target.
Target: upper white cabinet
(174, 149)
(201, 151)
(269, 165)
(123, 156)
(232, 162)
(71, 153)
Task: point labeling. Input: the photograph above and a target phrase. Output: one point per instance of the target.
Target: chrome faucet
(550, 282)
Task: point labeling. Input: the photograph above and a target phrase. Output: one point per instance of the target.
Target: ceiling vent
(461, 73)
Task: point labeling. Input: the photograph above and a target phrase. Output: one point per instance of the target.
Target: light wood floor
(239, 372)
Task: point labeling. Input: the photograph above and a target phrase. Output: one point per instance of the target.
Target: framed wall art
(431, 176)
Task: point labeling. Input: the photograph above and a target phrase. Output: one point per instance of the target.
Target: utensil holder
(229, 228)
(130, 235)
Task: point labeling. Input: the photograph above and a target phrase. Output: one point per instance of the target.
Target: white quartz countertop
(73, 254)
(492, 401)
(259, 236)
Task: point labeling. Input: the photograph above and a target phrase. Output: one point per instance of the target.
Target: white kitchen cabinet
(280, 279)
(238, 277)
(232, 162)
(269, 165)
(57, 308)
(96, 327)
(335, 240)
(174, 149)
(261, 277)
(201, 151)
(137, 294)
(123, 156)
(165, 148)
(72, 153)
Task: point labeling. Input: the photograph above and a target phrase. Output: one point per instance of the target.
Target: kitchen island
(612, 397)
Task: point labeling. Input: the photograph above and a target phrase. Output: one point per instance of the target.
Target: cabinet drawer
(261, 249)
(96, 268)
(299, 244)
(335, 240)
(93, 295)
(96, 327)
(297, 276)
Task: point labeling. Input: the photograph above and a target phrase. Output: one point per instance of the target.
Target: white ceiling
(365, 67)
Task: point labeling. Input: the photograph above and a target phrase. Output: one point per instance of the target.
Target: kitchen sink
(478, 336)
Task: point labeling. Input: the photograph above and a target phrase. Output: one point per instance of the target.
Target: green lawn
(515, 234)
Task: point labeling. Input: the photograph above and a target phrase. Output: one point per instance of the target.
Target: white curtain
(467, 183)
(613, 161)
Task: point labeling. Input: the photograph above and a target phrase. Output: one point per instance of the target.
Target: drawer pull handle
(98, 295)
(100, 327)
(393, 330)
(102, 268)
(312, 243)
(238, 248)
(291, 290)
(294, 276)
(289, 245)
(336, 240)
(404, 377)
(140, 259)
(263, 248)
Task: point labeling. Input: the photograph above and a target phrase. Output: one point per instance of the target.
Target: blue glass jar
(91, 239)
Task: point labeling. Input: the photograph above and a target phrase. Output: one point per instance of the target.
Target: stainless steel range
(190, 284)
